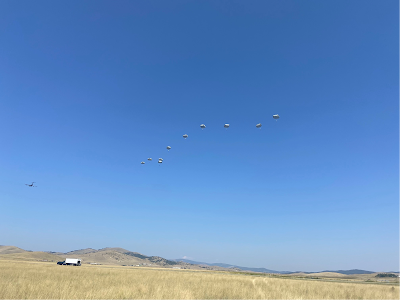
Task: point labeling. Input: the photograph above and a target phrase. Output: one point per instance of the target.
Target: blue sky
(89, 89)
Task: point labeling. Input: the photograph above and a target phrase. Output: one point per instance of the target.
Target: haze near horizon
(90, 89)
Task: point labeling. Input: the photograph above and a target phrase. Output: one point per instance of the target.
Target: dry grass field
(40, 280)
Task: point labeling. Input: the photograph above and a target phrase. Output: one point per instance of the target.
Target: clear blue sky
(89, 89)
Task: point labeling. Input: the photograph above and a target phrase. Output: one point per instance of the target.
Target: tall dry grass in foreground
(28, 280)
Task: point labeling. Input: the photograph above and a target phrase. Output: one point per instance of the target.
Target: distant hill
(326, 274)
(120, 256)
(31, 256)
(191, 261)
(82, 251)
(10, 249)
(116, 249)
(351, 272)
(262, 270)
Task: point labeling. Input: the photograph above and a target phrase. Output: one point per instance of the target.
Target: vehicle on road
(70, 262)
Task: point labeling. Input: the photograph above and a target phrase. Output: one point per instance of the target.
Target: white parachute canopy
(142, 162)
(149, 159)
(185, 136)
(276, 117)
(202, 126)
(259, 125)
(168, 147)
(226, 125)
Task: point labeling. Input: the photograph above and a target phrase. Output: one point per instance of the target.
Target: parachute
(202, 126)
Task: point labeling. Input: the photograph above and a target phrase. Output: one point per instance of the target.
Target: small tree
(386, 275)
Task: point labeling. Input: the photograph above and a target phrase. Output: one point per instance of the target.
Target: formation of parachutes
(202, 126)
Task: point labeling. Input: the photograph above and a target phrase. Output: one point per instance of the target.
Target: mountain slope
(264, 270)
(118, 256)
(82, 251)
(351, 272)
(31, 256)
(222, 265)
(11, 249)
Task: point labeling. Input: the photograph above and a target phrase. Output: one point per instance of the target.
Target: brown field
(41, 280)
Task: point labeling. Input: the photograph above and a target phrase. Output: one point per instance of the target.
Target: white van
(71, 262)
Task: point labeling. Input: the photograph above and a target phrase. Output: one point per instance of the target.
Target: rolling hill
(222, 265)
(31, 256)
(123, 257)
(264, 270)
(119, 256)
(351, 272)
(10, 249)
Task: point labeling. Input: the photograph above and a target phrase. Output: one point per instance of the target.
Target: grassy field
(39, 280)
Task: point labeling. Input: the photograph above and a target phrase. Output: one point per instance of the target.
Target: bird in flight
(31, 185)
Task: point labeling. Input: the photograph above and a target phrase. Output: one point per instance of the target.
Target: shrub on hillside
(386, 275)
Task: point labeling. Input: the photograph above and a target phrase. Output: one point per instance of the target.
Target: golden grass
(327, 274)
(30, 280)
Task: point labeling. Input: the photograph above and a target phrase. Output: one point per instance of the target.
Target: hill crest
(120, 256)
(11, 249)
(81, 251)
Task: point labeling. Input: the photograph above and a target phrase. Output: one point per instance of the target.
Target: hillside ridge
(11, 249)
(264, 270)
(124, 257)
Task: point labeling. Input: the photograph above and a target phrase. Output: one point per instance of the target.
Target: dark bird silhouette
(31, 185)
